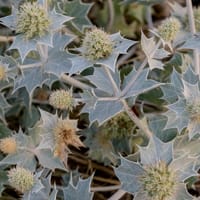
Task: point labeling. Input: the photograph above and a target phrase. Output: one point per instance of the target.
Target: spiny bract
(65, 135)
(61, 99)
(8, 145)
(96, 45)
(159, 182)
(21, 179)
(32, 20)
(169, 29)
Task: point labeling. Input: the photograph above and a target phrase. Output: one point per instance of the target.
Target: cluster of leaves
(59, 64)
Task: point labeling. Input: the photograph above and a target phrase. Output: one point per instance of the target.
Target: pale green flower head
(32, 20)
(169, 29)
(21, 179)
(61, 99)
(159, 182)
(97, 44)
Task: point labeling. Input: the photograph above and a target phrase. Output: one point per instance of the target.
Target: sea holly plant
(89, 113)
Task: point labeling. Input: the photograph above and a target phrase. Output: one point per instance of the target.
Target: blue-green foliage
(40, 138)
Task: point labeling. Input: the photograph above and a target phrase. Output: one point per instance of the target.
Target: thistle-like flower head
(61, 99)
(8, 145)
(97, 44)
(159, 182)
(21, 179)
(2, 72)
(169, 29)
(32, 20)
(65, 132)
(118, 127)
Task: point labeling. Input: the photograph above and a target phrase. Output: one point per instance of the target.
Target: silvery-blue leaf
(79, 11)
(128, 173)
(57, 63)
(23, 46)
(58, 19)
(184, 167)
(192, 42)
(140, 85)
(121, 45)
(79, 191)
(156, 151)
(103, 110)
(47, 39)
(152, 52)
(48, 160)
(31, 79)
(60, 41)
(79, 64)
(101, 80)
(157, 124)
(190, 76)
(88, 98)
(169, 93)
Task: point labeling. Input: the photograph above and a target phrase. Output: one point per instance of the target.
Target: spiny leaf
(152, 52)
(140, 85)
(79, 11)
(31, 79)
(103, 110)
(128, 173)
(156, 151)
(79, 191)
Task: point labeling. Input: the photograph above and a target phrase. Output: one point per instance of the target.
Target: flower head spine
(97, 45)
(32, 20)
(21, 179)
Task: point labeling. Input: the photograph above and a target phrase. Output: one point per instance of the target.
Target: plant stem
(136, 120)
(30, 65)
(149, 17)
(105, 188)
(111, 14)
(6, 38)
(193, 31)
(75, 82)
(117, 195)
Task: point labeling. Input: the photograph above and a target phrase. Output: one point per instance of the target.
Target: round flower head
(32, 20)
(8, 145)
(21, 179)
(159, 182)
(2, 72)
(169, 29)
(61, 99)
(96, 45)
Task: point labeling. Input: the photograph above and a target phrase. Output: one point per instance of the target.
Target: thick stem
(117, 195)
(136, 120)
(149, 17)
(74, 82)
(193, 31)
(111, 14)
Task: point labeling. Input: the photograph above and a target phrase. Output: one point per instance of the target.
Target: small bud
(8, 145)
(97, 45)
(2, 72)
(21, 179)
(159, 182)
(32, 20)
(169, 29)
(61, 99)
